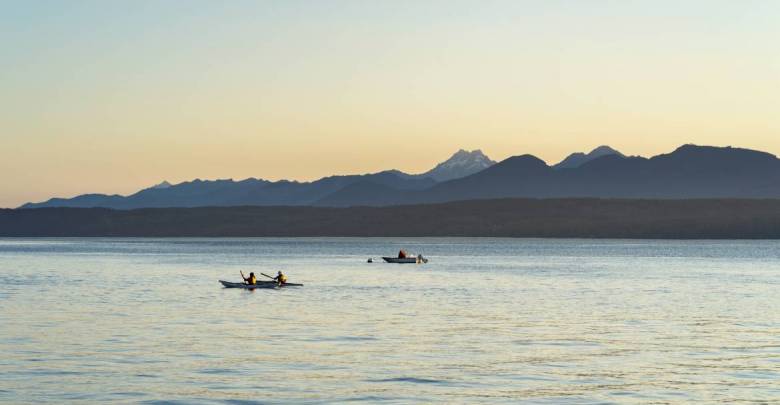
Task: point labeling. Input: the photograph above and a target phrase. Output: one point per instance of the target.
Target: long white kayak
(260, 284)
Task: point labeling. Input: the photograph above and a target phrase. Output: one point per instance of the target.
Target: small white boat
(418, 260)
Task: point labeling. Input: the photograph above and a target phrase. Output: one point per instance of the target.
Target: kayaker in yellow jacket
(280, 278)
(251, 280)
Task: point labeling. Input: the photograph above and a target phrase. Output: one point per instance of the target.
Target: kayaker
(280, 278)
(251, 280)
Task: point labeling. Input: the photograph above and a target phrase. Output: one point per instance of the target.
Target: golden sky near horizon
(112, 97)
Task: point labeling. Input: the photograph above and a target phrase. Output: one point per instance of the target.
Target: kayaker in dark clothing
(280, 278)
(251, 280)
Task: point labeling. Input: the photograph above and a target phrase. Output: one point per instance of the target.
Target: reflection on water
(554, 321)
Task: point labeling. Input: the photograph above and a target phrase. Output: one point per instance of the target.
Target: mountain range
(690, 171)
(252, 191)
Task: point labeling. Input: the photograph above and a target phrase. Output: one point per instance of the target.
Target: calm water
(487, 320)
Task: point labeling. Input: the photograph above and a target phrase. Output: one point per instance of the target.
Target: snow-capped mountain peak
(162, 185)
(460, 164)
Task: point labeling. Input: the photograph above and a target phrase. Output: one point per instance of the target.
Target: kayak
(260, 284)
(405, 259)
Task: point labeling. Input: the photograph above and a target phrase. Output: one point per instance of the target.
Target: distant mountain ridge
(252, 191)
(216, 193)
(578, 159)
(690, 171)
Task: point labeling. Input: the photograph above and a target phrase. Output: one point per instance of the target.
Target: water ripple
(486, 321)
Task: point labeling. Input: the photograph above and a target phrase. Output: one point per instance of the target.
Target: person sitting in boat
(251, 280)
(280, 278)
(402, 254)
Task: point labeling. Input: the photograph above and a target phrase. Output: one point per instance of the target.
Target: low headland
(543, 218)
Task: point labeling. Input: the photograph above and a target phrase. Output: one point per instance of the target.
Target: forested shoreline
(545, 218)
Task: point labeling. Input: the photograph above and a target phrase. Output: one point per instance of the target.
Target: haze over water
(486, 320)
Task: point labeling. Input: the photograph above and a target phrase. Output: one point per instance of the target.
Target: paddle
(274, 278)
(290, 284)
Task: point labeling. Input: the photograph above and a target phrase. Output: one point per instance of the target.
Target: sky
(116, 96)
